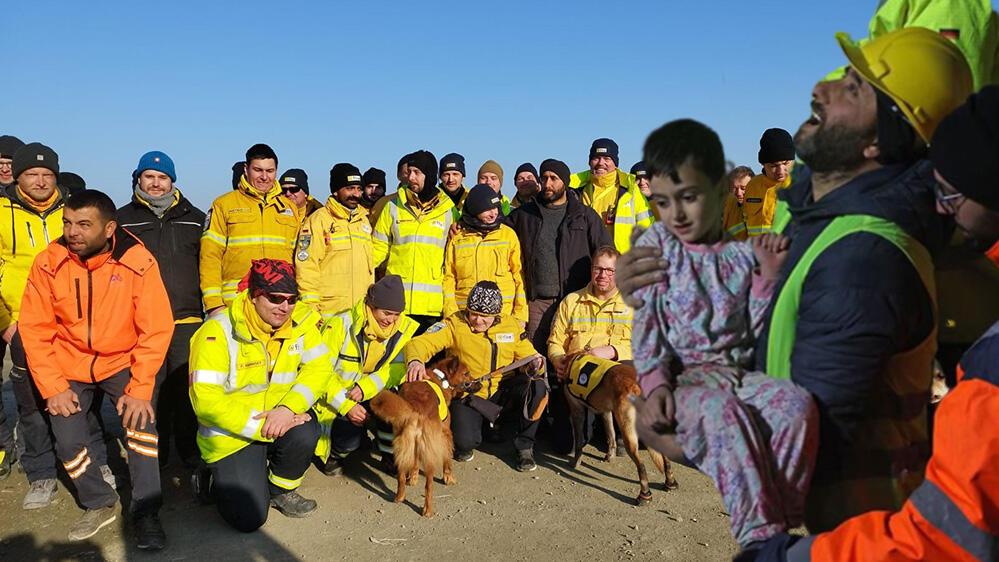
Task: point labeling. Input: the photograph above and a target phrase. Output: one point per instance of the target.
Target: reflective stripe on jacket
(233, 379)
(242, 226)
(631, 210)
(471, 257)
(584, 322)
(413, 243)
(333, 258)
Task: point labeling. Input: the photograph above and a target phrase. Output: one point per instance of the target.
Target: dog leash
(467, 386)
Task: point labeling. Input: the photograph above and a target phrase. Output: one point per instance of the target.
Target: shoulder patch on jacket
(435, 328)
(504, 338)
(208, 220)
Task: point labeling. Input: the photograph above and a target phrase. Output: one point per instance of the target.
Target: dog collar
(444, 384)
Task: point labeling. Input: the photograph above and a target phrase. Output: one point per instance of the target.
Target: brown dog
(606, 388)
(422, 438)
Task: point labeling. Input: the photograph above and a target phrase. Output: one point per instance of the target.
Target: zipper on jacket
(45, 232)
(90, 322)
(493, 352)
(31, 236)
(79, 304)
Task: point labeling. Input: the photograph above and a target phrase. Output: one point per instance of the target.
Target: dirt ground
(492, 513)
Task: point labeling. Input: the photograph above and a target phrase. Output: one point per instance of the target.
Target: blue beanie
(158, 161)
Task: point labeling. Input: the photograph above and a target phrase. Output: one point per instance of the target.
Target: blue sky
(365, 82)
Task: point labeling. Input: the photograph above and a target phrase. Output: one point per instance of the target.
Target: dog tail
(434, 445)
(406, 426)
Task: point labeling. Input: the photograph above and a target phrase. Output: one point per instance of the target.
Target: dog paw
(609, 456)
(671, 484)
(644, 498)
(449, 480)
(427, 512)
(399, 498)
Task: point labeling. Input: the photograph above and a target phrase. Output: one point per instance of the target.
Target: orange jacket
(954, 514)
(87, 321)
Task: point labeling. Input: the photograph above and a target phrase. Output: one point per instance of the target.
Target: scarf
(474, 224)
(158, 205)
(375, 337)
(605, 181)
(418, 203)
(264, 333)
(38, 207)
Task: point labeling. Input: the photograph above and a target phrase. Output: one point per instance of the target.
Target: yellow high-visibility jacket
(24, 233)
(631, 209)
(760, 203)
(349, 356)
(233, 378)
(471, 257)
(585, 322)
(413, 240)
(333, 258)
(242, 226)
(733, 221)
(311, 206)
(502, 344)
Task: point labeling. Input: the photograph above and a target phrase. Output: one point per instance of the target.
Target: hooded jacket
(174, 240)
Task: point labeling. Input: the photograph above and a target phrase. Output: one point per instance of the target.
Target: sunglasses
(280, 299)
(293, 189)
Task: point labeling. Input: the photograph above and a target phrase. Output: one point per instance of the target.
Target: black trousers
(175, 420)
(38, 458)
(6, 433)
(466, 422)
(73, 435)
(244, 480)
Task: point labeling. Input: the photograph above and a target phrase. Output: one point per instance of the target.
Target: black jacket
(580, 233)
(862, 301)
(175, 241)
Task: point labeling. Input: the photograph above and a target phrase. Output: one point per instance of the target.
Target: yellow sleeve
(525, 349)
(381, 237)
(209, 368)
(437, 338)
(643, 214)
(313, 250)
(449, 284)
(213, 244)
(623, 345)
(560, 328)
(520, 311)
(5, 317)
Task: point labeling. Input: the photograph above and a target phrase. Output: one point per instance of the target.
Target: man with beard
(410, 234)
(452, 171)
(333, 257)
(558, 234)
(526, 182)
(374, 187)
(853, 319)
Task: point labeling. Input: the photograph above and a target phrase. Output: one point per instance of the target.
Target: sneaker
(464, 456)
(333, 466)
(6, 464)
(92, 522)
(149, 533)
(292, 504)
(525, 461)
(40, 494)
(108, 476)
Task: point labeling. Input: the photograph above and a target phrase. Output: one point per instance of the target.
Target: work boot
(6, 463)
(108, 476)
(333, 466)
(149, 533)
(40, 494)
(525, 461)
(292, 504)
(201, 485)
(464, 456)
(91, 522)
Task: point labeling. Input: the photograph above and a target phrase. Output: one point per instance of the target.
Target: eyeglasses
(949, 202)
(292, 189)
(604, 270)
(280, 299)
(9, 164)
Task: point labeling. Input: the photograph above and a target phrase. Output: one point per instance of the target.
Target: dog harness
(586, 373)
(442, 410)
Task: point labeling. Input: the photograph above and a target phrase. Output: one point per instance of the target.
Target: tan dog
(421, 423)
(606, 388)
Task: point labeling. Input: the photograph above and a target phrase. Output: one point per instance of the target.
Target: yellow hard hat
(923, 72)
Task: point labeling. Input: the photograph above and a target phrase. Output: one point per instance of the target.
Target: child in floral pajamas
(754, 435)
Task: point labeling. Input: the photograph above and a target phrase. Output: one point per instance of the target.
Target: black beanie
(898, 141)
(426, 162)
(374, 175)
(639, 170)
(453, 162)
(261, 151)
(295, 177)
(558, 167)
(35, 155)
(481, 198)
(965, 148)
(526, 167)
(387, 294)
(71, 183)
(9, 146)
(342, 175)
(604, 147)
(776, 145)
(237, 172)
